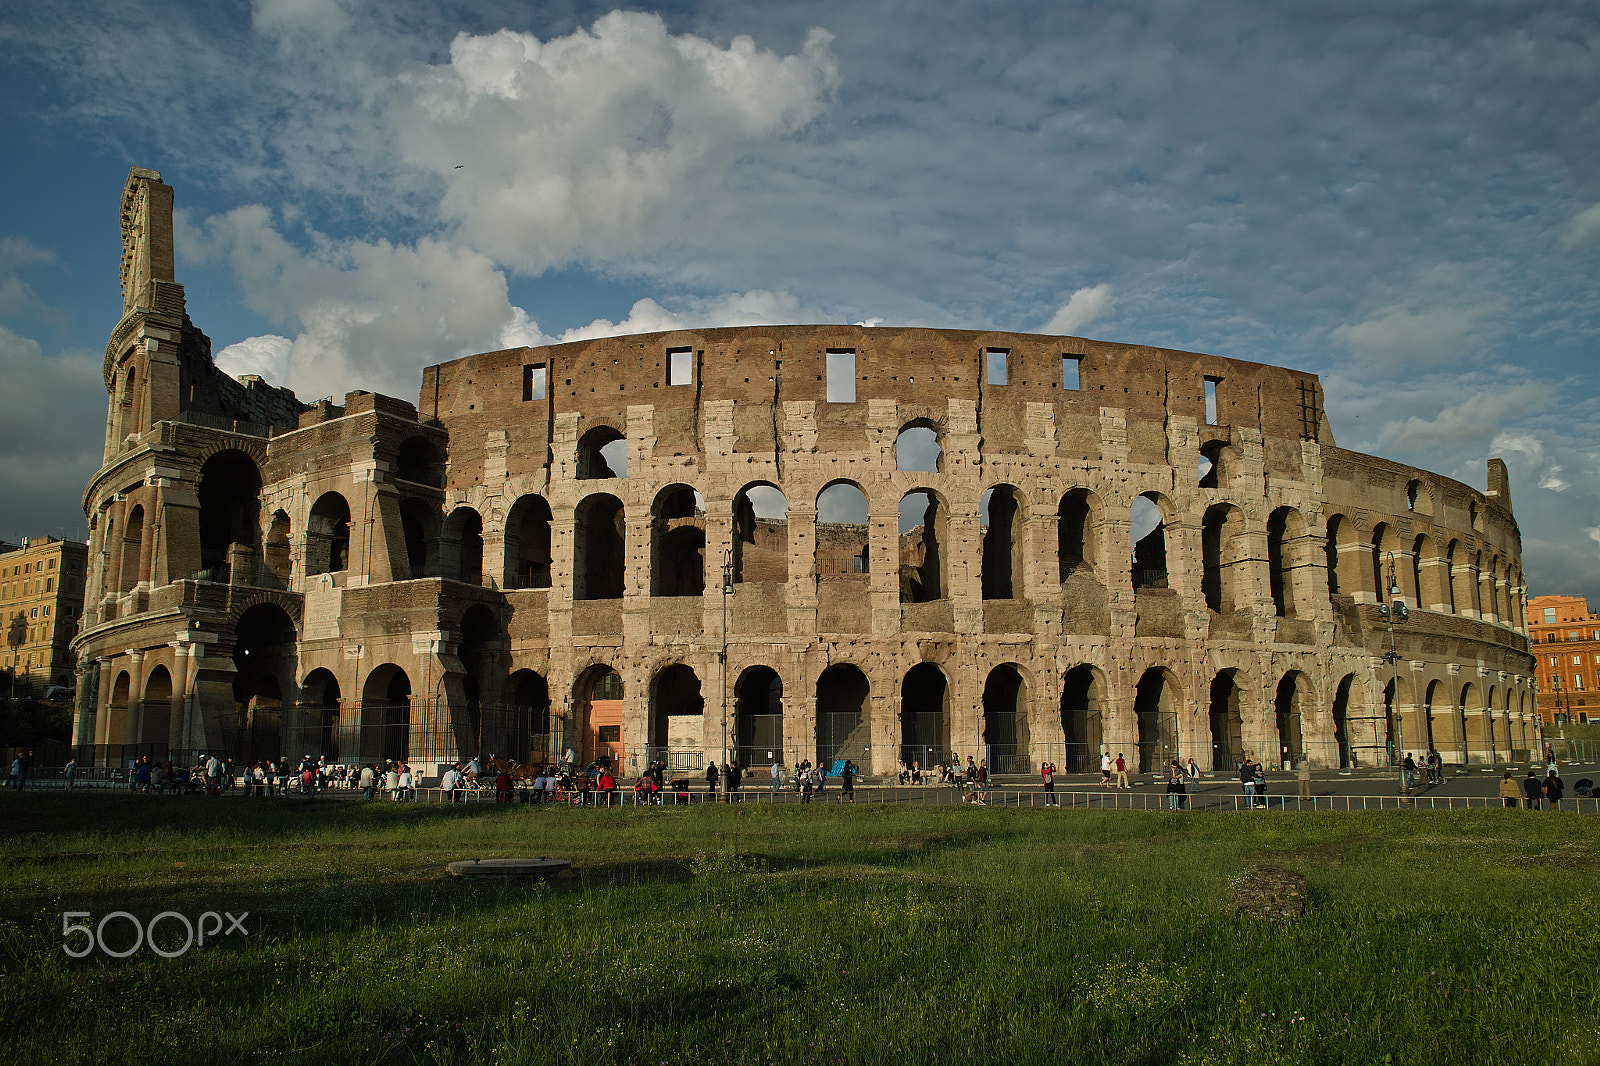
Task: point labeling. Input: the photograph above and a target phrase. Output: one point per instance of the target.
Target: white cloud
(1399, 336)
(1581, 228)
(1082, 308)
(370, 314)
(1466, 424)
(575, 146)
(266, 356)
(730, 309)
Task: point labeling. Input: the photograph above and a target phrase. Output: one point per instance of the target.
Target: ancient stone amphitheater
(786, 542)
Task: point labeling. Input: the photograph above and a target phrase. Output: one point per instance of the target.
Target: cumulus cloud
(729, 309)
(52, 418)
(369, 314)
(1399, 336)
(266, 356)
(1470, 422)
(576, 145)
(1082, 308)
(1581, 229)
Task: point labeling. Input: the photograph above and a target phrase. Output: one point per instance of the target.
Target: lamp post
(1398, 612)
(727, 590)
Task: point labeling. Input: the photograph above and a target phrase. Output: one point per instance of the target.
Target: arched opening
(1082, 705)
(602, 453)
(841, 532)
(482, 648)
(1001, 517)
(461, 546)
(156, 708)
(278, 546)
(230, 509)
(1463, 726)
(315, 726)
(597, 705)
(760, 534)
(528, 555)
(924, 531)
(128, 575)
(1454, 574)
(327, 535)
(1426, 568)
(917, 448)
(1077, 533)
(1227, 722)
(1221, 540)
(599, 548)
(1341, 722)
(677, 718)
(385, 716)
(420, 462)
(678, 543)
(843, 725)
(117, 710)
(419, 526)
(1330, 550)
(758, 717)
(1284, 528)
(527, 730)
(1147, 531)
(1430, 700)
(1155, 711)
(264, 660)
(924, 717)
(1210, 473)
(1005, 721)
(1287, 705)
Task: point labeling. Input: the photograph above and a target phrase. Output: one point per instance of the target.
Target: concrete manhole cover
(510, 868)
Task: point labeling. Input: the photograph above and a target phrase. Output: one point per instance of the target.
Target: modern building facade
(1566, 650)
(41, 601)
(796, 542)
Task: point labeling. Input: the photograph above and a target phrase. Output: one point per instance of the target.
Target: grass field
(797, 935)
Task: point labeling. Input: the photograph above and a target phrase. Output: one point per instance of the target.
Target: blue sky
(1404, 199)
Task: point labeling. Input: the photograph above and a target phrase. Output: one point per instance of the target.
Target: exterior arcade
(795, 542)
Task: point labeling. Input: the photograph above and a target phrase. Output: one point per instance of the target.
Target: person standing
(1122, 771)
(1247, 778)
(1553, 790)
(72, 772)
(1047, 771)
(1105, 769)
(1194, 769)
(1177, 791)
(1510, 793)
(711, 778)
(1305, 779)
(1409, 766)
(777, 776)
(1261, 785)
(847, 781)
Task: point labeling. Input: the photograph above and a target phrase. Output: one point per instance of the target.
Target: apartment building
(1566, 644)
(41, 602)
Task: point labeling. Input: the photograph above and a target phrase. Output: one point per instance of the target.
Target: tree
(17, 632)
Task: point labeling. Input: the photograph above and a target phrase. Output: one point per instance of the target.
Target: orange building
(1566, 648)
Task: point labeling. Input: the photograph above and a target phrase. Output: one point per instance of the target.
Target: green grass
(801, 935)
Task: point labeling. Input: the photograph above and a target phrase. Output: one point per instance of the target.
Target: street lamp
(1392, 614)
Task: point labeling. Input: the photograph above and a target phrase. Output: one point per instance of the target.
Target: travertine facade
(827, 541)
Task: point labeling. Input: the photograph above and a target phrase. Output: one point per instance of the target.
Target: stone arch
(844, 719)
(526, 735)
(1157, 700)
(155, 707)
(1388, 569)
(758, 716)
(1427, 570)
(598, 701)
(1419, 497)
(385, 718)
(327, 548)
(924, 716)
(602, 453)
(1006, 705)
(1471, 730)
(924, 547)
(265, 650)
(128, 568)
(841, 531)
(1226, 721)
(677, 715)
(1289, 704)
(527, 553)
(918, 448)
(678, 542)
(1285, 539)
(760, 534)
(116, 731)
(279, 534)
(1078, 523)
(1212, 468)
(1003, 519)
(419, 527)
(599, 548)
(1426, 734)
(461, 546)
(1340, 712)
(1453, 573)
(316, 725)
(1083, 695)
(483, 641)
(1224, 553)
(1147, 528)
(230, 509)
(419, 461)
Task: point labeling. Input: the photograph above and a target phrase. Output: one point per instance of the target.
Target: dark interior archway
(758, 717)
(924, 716)
(843, 722)
(1005, 721)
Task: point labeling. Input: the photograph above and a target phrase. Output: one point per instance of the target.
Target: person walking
(1122, 771)
(1105, 769)
(1409, 766)
(777, 776)
(1510, 792)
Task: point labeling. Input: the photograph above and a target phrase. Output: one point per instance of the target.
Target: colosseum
(785, 542)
